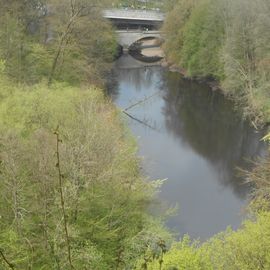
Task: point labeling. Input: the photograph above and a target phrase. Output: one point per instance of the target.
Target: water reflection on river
(193, 138)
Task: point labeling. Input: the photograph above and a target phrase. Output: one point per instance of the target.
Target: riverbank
(212, 83)
(196, 127)
(216, 85)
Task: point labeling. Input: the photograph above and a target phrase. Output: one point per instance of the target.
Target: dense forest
(71, 191)
(226, 40)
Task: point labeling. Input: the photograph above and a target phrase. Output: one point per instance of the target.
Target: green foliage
(183, 256)
(246, 57)
(70, 43)
(83, 43)
(83, 203)
(105, 197)
(202, 41)
(178, 16)
(2, 66)
(13, 244)
(105, 223)
(245, 249)
(226, 40)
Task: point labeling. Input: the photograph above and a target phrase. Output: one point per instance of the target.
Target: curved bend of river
(191, 136)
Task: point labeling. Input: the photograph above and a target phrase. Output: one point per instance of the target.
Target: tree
(174, 24)
(79, 33)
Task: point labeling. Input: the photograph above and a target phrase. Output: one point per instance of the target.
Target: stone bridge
(133, 25)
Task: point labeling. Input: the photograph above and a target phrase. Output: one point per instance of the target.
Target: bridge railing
(135, 31)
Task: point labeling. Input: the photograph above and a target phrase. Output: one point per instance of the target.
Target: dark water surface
(192, 137)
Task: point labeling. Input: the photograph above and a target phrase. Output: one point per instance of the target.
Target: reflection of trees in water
(208, 123)
(131, 72)
(140, 78)
(112, 86)
(200, 117)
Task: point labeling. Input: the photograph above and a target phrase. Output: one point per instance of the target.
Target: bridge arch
(126, 38)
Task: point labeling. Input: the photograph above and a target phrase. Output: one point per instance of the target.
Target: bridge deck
(132, 14)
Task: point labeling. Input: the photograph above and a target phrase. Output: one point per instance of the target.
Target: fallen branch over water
(140, 101)
(136, 104)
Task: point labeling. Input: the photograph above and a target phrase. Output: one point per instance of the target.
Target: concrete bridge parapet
(133, 14)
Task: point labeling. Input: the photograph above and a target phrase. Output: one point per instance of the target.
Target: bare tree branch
(60, 178)
(10, 265)
(141, 101)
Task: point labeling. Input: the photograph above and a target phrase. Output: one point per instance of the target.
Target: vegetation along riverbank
(71, 191)
(228, 41)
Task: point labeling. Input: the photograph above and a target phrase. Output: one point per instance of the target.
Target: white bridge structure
(133, 25)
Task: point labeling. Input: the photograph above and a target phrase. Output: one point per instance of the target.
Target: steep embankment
(70, 184)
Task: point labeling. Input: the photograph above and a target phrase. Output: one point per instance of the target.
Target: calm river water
(192, 137)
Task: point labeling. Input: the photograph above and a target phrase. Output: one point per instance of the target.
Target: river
(192, 137)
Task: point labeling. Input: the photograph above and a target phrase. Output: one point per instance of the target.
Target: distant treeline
(227, 40)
